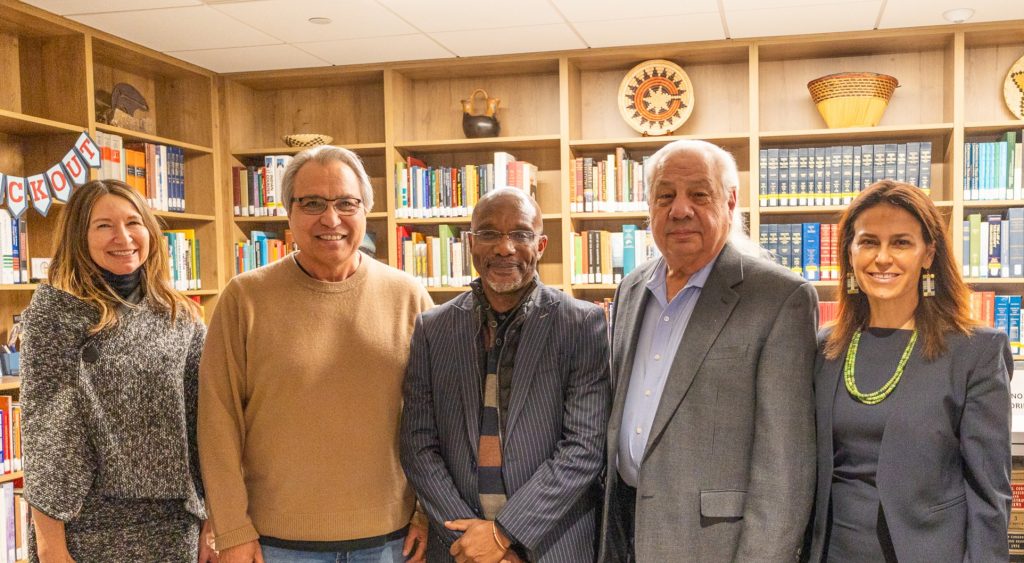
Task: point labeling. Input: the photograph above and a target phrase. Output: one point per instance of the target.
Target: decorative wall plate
(1013, 88)
(656, 97)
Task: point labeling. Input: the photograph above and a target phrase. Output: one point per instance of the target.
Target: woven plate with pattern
(656, 97)
(1013, 88)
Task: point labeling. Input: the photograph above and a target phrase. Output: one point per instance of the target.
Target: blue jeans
(391, 552)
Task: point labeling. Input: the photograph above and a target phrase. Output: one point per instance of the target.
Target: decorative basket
(852, 99)
(307, 140)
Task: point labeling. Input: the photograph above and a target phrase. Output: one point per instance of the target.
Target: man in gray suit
(711, 437)
(506, 404)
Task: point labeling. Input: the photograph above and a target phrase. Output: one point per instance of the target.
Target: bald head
(506, 200)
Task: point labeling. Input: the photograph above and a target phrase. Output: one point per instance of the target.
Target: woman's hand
(206, 551)
(51, 543)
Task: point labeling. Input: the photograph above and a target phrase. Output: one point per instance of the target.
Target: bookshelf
(50, 71)
(556, 107)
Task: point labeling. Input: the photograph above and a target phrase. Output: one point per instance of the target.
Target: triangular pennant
(88, 150)
(15, 189)
(60, 182)
(75, 168)
(40, 193)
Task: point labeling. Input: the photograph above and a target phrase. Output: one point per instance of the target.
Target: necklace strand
(880, 395)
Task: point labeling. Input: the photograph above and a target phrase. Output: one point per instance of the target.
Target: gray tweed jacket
(113, 413)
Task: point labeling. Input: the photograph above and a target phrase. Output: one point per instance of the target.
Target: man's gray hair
(724, 171)
(324, 155)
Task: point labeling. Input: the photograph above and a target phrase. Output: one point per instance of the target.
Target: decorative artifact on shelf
(478, 119)
(120, 111)
(307, 139)
(656, 97)
(852, 99)
(1013, 88)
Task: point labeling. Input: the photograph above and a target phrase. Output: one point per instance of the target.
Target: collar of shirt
(656, 282)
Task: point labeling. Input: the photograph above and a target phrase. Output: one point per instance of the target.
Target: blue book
(1004, 248)
(820, 181)
(784, 190)
(812, 248)
(1002, 313)
(925, 171)
(773, 242)
(1015, 324)
(628, 249)
(785, 246)
(773, 177)
(995, 244)
(762, 184)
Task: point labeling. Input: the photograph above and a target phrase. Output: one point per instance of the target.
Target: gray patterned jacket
(115, 411)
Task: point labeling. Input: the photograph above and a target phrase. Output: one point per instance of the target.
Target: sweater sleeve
(191, 388)
(221, 422)
(60, 463)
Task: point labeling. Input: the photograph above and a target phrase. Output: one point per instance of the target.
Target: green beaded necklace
(881, 394)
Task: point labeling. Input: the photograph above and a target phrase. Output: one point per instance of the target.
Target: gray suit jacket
(554, 441)
(944, 463)
(728, 472)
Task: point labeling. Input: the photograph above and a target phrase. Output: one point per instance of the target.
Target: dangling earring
(851, 284)
(928, 284)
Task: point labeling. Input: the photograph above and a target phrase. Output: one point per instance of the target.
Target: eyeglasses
(315, 205)
(518, 238)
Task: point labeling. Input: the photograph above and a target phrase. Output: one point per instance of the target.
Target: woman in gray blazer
(913, 401)
(110, 366)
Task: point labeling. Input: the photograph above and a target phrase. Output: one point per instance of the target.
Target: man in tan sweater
(300, 387)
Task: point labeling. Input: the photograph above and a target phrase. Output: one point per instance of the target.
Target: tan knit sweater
(299, 404)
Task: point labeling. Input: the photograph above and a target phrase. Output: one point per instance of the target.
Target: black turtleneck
(123, 284)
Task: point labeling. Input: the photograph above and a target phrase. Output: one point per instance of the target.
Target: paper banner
(88, 150)
(40, 193)
(75, 168)
(15, 188)
(60, 183)
(56, 183)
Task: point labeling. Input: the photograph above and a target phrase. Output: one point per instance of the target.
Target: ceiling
(246, 35)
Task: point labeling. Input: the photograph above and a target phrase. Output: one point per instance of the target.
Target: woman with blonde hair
(110, 360)
(913, 399)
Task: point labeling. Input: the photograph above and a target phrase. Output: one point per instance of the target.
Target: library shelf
(129, 135)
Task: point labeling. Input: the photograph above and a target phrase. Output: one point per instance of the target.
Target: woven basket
(307, 140)
(852, 99)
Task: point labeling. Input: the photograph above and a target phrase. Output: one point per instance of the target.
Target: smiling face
(506, 267)
(118, 239)
(887, 255)
(329, 242)
(690, 213)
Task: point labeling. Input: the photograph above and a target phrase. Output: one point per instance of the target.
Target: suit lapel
(629, 306)
(464, 339)
(528, 354)
(715, 304)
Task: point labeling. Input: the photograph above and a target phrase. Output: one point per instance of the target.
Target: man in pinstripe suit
(506, 404)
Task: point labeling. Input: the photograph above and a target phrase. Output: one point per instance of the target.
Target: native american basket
(852, 99)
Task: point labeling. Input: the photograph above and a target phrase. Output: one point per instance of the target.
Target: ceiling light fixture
(958, 15)
(320, 21)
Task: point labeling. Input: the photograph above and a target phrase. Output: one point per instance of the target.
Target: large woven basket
(852, 99)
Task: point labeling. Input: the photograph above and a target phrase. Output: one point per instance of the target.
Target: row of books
(1001, 312)
(605, 257)
(615, 183)
(256, 190)
(992, 170)
(182, 248)
(1016, 531)
(262, 248)
(10, 435)
(156, 171)
(993, 245)
(15, 520)
(809, 249)
(436, 261)
(444, 191)
(835, 175)
(14, 256)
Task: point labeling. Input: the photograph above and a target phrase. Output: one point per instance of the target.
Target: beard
(508, 286)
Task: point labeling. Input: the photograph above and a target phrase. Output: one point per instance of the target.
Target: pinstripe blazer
(553, 451)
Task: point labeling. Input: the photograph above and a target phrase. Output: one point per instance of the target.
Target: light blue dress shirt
(661, 332)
